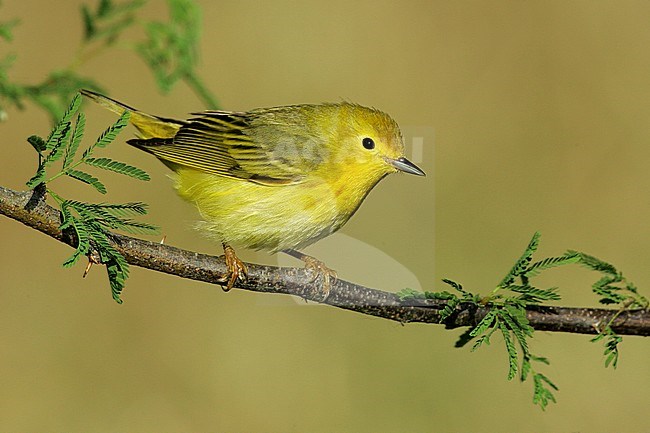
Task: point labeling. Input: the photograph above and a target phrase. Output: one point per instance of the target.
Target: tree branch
(30, 209)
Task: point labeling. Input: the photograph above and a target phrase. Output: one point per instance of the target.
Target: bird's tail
(148, 126)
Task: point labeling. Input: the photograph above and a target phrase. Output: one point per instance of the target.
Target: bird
(273, 179)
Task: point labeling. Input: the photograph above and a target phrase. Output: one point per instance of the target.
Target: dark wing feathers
(227, 144)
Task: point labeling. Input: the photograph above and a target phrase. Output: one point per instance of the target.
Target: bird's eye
(368, 143)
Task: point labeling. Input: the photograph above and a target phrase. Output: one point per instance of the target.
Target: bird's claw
(236, 269)
(318, 269)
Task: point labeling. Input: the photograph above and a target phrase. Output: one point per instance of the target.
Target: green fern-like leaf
(541, 359)
(550, 262)
(123, 209)
(38, 178)
(512, 350)
(54, 143)
(595, 263)
(612, 340)
(542, 385)
(75, 140)
(606, 288)
(116, 265)
(68, 220)
(91, 226)
(519, 332)
(136, 227)
(87, 178)
(632, 288)
(485, 323)
(110, 216)
(58, 147)
(612, 356)
(111, 132)
(89, 22)
(118, 167)
(66, 216)
(522, 264)
(63, 126)
(108, 135)
(171, 48)
(518, 314)
(37, 143)
(100, 214)
(534, 295)
(109, 19)
(56, 151)
(117, 274)
(542, 393)
(457, 286)
(485, 338)
(525, 368)
(449, 309)
(83, 243)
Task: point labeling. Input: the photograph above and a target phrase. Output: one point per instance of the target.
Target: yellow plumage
(278, 178)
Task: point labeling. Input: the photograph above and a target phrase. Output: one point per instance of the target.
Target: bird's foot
(318, 270)
(236, 268)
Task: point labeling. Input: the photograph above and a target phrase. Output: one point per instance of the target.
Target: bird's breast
(268, 217)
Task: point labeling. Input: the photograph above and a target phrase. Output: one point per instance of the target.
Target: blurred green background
(532, 115)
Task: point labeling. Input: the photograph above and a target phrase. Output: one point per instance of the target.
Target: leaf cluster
(8, 90)
(55, 91)
(452, 301)
(63, 142)
(91, 223)
(52, 94)
(506, 311)
(170, 49)
(507, 316)
(508, 319)
(613, 289)
(107, 21)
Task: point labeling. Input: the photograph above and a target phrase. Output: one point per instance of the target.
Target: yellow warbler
(274, 179)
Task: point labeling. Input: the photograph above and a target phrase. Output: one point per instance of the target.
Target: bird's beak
(403, 164)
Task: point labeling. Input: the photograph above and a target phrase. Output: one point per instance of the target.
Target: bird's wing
(238, 145)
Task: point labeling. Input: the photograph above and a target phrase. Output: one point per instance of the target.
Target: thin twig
(30, 209)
